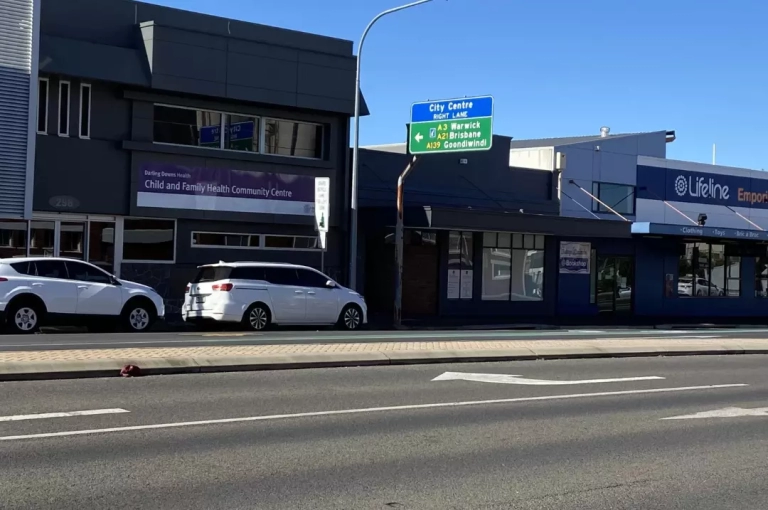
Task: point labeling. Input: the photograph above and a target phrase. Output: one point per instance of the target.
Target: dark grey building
(168, 139)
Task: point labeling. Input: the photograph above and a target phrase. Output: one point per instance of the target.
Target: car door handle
(37, 284)
(311, 293)
(299, 291)
(82, 286)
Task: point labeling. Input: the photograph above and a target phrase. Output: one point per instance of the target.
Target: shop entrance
(615, 283)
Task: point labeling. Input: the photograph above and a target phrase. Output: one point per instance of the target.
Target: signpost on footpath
(322, 214)
(438, 127)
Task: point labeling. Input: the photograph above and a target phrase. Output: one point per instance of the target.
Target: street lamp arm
(356, 144)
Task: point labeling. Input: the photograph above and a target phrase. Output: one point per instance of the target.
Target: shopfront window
(13, 239)
(42, 235)
(761, 276)
(146, 240)
(513, 267)
(705, 270)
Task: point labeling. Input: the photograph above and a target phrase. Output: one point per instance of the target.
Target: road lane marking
(516, 379)
(68, 414)
(728, 412)
(361, 411)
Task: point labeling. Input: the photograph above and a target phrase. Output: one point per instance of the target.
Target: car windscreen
(212, 274)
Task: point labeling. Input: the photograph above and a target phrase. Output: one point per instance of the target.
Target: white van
(259, 294)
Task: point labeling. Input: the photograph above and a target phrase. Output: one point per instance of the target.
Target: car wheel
(351, 318)
(257, 317)
(25, 318)
(138, 316)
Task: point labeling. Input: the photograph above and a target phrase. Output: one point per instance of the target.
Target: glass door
(615, 282)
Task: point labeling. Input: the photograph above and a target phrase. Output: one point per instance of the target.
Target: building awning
(698, 231)
(444, 218)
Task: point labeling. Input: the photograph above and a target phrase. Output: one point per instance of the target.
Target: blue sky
(556, 67)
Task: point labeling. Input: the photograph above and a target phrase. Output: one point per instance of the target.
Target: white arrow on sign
(418, 137)
(516, 379)
(728, 412)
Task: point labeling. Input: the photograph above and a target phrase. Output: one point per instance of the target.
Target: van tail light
(186, 291)
(222, 287)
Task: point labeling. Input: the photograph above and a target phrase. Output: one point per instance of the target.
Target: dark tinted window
(248, 273)
(145, 239)
(212, 274)
(50, 268)
(281, 275)
(24, 268)
(86, 273)
(309, 278)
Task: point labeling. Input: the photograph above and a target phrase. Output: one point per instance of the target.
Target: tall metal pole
(356, 145)
(399, 243)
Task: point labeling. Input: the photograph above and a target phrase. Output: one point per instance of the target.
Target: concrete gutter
(60, 369)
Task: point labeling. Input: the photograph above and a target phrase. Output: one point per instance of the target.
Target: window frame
(517, 242)
(263, 139)
(87, 135)
(46, 103)
(596, 192)
(262, 121)
(69, 107)
(695, 266)
(146, 261)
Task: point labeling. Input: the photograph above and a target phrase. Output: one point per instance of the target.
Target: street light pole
(356, 144)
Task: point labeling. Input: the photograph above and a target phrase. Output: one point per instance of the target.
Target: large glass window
(761, 276)
(13, 239)
(705, 270)
(619, 197)
(72, 240)
(242, 133)
(101, 245)
(183, 126)
(292, 138)
(513, 267)
(149, 240)
(42, 235)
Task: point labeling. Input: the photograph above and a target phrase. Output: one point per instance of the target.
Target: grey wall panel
(326, 81)
(101, 21)
(263, 50)
(94, 172)
(326, 60)
(261, 72)
(188, 85)
(275, 97)
(188, 61)
(110, 113)
(187, 38)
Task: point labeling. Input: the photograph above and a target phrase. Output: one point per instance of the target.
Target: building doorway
(615, 284)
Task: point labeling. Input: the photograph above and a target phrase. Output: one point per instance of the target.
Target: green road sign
(454, 125)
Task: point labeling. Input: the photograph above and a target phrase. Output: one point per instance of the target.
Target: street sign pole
(399, 243)
(452, 125)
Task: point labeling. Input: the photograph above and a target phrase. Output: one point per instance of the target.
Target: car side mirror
(115, 281)
(330, 284)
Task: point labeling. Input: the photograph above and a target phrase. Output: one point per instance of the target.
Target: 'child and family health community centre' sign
(219, 189)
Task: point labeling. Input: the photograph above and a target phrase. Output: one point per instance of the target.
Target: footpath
(51, 364)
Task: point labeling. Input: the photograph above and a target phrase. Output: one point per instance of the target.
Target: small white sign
(454, 283)
(574, 257)
(322, 204)
(467, 278)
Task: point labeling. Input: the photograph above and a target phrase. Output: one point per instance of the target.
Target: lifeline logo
(703, 188)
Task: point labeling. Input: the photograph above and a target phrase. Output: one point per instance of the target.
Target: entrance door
(615, 282)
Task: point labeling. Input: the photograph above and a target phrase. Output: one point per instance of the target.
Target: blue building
(592, 228)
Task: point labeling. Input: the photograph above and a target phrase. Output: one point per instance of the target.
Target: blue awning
(697, 231)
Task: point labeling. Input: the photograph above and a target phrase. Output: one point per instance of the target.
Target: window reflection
(291, 138)
(13, 239)
(515, 274)
(182, 126)
(41, 239)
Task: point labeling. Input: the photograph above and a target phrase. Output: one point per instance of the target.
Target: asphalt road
(198, 339)
(392, 437)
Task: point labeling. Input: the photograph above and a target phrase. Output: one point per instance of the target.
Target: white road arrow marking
(728, 412)
(516, 379)
(418, 137)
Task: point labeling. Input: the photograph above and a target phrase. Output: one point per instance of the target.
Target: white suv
(58, 291)
(258, 294)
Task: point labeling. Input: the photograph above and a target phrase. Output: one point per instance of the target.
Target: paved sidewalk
(108, 362)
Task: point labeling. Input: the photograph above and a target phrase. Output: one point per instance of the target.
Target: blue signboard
(673, 185)
(210, 135)
(697, 231)
(452, 109)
